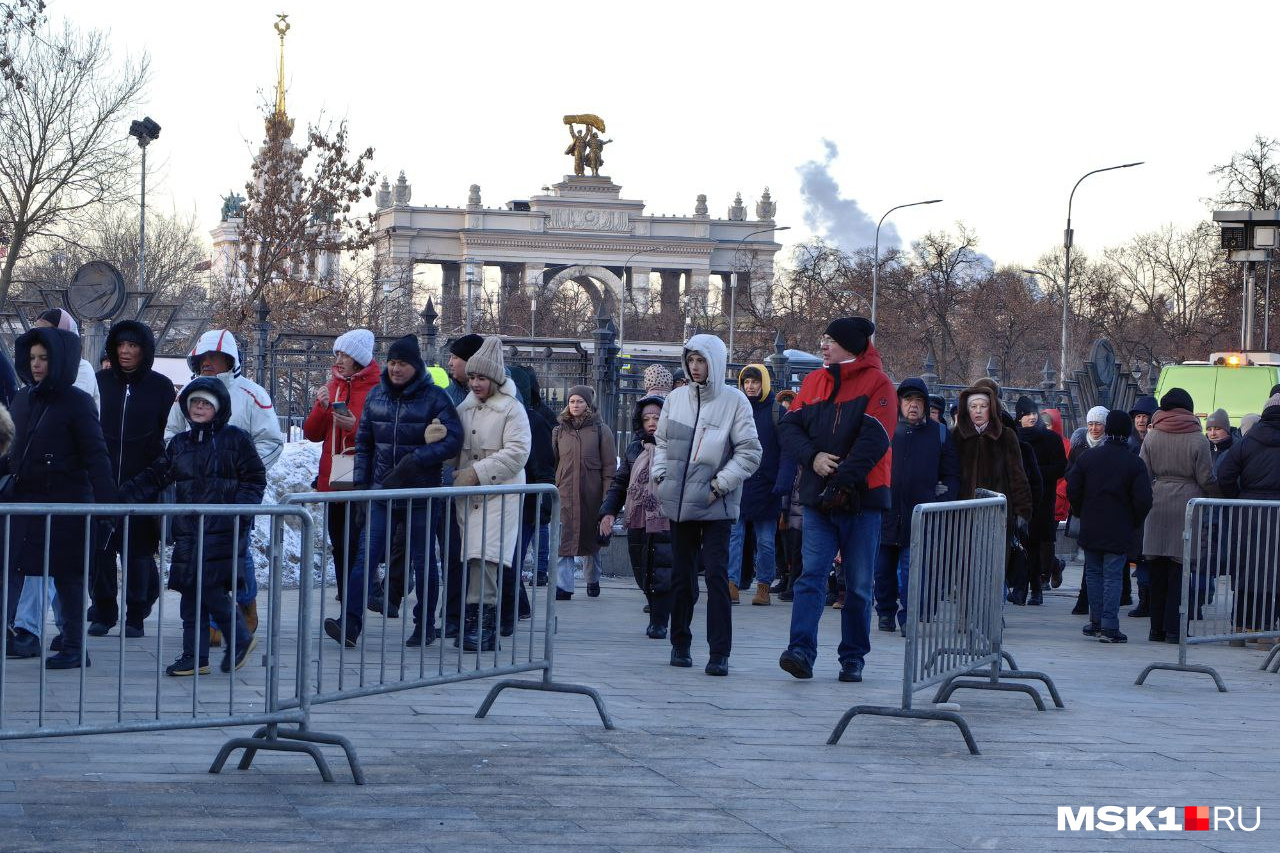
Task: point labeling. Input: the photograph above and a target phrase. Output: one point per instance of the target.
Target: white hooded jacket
(706, 440)
(251, 407)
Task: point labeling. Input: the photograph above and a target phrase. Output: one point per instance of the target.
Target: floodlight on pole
(145, 131)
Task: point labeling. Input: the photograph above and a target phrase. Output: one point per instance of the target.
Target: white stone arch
(587, 276)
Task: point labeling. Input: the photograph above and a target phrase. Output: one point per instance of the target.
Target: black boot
(1082, 602)
(470, 627)
(484, 638)
(1142, 609)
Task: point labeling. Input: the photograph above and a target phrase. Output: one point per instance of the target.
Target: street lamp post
(145, 131)
(733, 281)
(1067, 240)
(875, 265)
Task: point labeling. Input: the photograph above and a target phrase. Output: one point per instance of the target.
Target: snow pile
(294, 472)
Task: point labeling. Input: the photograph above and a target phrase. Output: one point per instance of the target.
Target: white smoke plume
(832, 217)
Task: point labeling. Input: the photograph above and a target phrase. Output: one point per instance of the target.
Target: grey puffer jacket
(706, 437)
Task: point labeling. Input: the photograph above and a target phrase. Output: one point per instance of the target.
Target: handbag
(1073, 526)
(342, 465)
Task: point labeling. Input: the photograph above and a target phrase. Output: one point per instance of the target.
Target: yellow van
(1239, 382)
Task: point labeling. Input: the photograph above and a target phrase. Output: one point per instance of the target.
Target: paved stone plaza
(696, 763)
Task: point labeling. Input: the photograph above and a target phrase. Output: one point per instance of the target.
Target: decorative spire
(279, 120)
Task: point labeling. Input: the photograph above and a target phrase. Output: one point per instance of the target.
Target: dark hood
(526, 383)
(637, 430)
(1267, 430)
(216, 387)
(1145, 405)
(146, 340)
(64, 358)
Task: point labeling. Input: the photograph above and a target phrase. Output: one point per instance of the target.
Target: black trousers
(454, 593)
(344, 537)
(704, 543)
(71, 600)
(142, 586)
(1165, 594)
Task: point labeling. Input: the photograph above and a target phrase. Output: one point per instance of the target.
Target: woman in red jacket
(333, 420)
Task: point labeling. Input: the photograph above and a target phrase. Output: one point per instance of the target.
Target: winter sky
(843, 109)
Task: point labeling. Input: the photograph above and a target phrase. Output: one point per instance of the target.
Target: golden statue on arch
(585, 146)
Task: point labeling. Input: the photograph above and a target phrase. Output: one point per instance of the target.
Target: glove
(467, 477)
(435, 431)
(406, 474)
(717, 492)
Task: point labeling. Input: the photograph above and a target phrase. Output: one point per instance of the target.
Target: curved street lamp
(875, 266)
(733, 280)
(1066, 276)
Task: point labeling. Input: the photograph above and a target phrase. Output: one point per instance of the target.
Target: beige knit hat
(657, 380)
(488, 360)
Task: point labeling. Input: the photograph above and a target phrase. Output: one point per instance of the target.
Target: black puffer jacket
(213, 463)
(392, 427)
(58, 456)
(134, 409)
(1250, 470)
(541, 467)
(1052, 462)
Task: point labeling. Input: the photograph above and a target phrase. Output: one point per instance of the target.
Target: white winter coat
(495, 442)
(706, 435)
(87, 381)
(251, 407)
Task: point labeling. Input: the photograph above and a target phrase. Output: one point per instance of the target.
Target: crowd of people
(806, 495)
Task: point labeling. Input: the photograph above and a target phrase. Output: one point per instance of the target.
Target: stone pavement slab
(695, 763)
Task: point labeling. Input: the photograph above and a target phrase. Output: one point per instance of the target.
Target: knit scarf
(643, 510)
(1175, 421)
(1094, 442)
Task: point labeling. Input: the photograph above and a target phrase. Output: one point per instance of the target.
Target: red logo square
(1195, 818)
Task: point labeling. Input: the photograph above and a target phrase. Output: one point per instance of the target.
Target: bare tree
(1251, 179)
(63, 150)
(300, 210)
(18, 20)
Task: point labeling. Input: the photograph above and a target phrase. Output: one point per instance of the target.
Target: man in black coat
(1052, 460)
(1110, 490)
(925, 468)
(135, 404)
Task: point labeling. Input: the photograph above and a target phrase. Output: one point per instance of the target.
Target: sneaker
(99, 629)
(242, 654)
(133, 632)
(1092, 630)
(717, 665)
(22, 644)
(1016, 596)
(67, 660)
(1035, 599)
(1112, 635)
(886, 622)
(563, 595)
(794, 664)
(417, 639)
(656, 632)
(1155, 636)
(1141, 611)
(779, 585)
(851, 671)
(186, 665)
(333, 628)
(593, 590)
(1055, 574)
(786, 595)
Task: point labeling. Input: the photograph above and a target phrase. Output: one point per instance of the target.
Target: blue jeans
(247, 583)
(856, 537)
(893, 575)
(565, 569)
(766, 567)
(544, 552)
(1103, 575)
(30, 615)
(375, 545)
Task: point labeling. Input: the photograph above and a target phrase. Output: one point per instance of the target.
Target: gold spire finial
(279, 121)
(282, 27)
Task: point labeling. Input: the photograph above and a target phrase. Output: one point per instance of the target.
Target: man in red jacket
(839, 430)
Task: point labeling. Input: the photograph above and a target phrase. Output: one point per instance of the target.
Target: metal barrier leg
(1184, 667)
(949, 687)
(302, 733)
(1272, 663)
(270, 740)
(905, 713)
(943, 690)
(1013, 664)
(548, 686)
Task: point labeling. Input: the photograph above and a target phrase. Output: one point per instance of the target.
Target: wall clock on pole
(97, 292)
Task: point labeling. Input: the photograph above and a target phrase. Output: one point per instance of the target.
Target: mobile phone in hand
(341, 408)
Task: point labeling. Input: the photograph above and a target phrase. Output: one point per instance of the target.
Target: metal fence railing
(1230, 580)
(954, 625)
(121, 683)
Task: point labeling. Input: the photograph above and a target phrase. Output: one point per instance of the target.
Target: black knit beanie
(466, 346)
(406, 349)
(1119, 424)
(1176, 398)
(852, 333)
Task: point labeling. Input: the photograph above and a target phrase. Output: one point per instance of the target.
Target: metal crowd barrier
(125, 688)
(380, 657)
(1230, 580)
(954, 625)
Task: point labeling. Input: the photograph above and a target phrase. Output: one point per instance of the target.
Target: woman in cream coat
(495, 447)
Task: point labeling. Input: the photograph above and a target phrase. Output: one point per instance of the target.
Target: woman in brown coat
(1179, 460)
(585, 463)
(989, 455)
